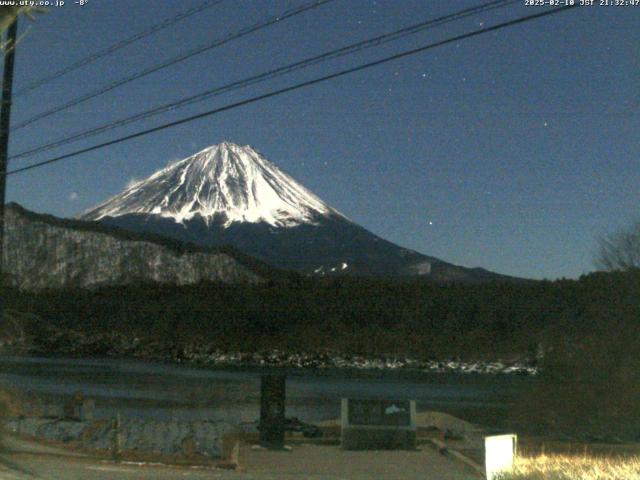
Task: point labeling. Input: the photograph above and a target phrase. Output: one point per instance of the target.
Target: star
(546, 124)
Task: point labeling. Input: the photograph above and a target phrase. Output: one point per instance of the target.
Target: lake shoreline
(277, 359)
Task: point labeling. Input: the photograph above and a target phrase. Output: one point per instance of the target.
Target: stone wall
(142, 436)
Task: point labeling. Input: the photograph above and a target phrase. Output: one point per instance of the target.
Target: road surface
(24, 460)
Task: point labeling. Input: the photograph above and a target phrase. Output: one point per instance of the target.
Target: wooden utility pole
(5, 114)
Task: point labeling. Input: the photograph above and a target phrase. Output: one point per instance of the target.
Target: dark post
(272, 418)
(5, 114)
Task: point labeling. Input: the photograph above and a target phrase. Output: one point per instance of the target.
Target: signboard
(380, 412)
(378, 424)
(272, 411)
(499, 454)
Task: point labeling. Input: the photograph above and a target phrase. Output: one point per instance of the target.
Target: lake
(143, 389)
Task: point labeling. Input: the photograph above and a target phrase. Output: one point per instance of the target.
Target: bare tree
(620, 250)
(9, 13)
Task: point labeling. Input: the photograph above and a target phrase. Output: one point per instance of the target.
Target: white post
(499, 454)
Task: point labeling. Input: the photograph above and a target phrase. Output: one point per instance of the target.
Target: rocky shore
(328, 360)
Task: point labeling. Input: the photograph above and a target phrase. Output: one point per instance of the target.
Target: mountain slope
(228, 194)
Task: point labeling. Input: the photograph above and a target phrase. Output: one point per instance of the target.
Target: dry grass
(11, 404)
(574, 467)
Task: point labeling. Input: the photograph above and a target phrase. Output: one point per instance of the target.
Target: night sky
(513, 150)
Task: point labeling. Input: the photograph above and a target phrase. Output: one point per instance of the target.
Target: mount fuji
(229, 194)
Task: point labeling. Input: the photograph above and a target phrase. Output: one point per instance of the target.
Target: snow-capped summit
(227, 183)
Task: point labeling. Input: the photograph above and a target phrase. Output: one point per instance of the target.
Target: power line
(269, 75)
(296, 87)
(180, 58)
(117, 46)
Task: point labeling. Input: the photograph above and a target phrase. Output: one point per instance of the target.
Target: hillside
(44, 252)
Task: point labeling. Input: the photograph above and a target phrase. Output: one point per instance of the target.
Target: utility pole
(5, 114)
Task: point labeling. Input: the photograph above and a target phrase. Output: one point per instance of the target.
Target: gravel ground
(306, 461)
(302, 462)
